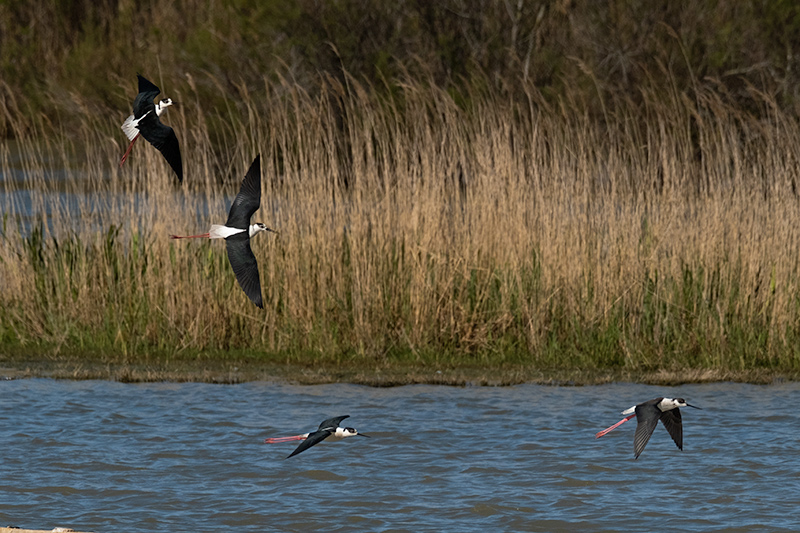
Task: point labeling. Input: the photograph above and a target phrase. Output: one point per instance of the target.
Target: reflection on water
(69, 203)
(90, 212)
(106, 456)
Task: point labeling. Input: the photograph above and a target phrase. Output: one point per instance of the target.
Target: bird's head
(348, 432)
(162, 105)
(258, 227)
(680, 402)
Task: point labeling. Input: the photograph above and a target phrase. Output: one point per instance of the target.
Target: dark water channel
(105, 456)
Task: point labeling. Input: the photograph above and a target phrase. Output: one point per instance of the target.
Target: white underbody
(218, 231)
(222, 232)
(339, 434)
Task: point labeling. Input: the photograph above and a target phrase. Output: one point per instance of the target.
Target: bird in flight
(237, 232)
(145, 122)
(328, 428)
(647, 416)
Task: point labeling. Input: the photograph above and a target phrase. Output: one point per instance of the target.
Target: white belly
(222, 232)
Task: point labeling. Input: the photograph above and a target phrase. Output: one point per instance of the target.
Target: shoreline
(375, 375)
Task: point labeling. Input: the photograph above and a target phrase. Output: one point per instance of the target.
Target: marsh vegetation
(486, 225)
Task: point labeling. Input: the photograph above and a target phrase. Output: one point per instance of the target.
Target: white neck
(254, 228)
(160, 109)
(667, 404)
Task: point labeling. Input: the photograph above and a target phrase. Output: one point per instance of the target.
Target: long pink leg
(273, 440)
(203, 236)
(615, 426)
(128, 151)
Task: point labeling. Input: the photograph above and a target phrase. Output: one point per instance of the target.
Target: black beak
(362, 435)
(687, 405)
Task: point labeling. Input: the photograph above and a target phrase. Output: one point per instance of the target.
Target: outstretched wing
(332, 423)
(245, 266)
(672, 421)
(144, 100)
(164, 139)
(311, 440)
(646, 420)
(147, 86)
(248, 200)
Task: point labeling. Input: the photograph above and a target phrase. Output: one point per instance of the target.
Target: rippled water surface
(103, 456)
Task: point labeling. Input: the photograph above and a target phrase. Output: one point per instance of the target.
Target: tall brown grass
(501, 230)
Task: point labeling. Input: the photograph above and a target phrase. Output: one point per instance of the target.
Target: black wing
(245, 266)
(144, 100)
(311, 440)
(164, 139)
(646, 421)
(248, 200)
(672, 421)
(332, 423)
(159, 135)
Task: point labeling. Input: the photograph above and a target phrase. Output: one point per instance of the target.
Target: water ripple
(104, 456)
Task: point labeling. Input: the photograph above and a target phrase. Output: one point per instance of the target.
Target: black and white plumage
(237, 232)
(328, 428)
(240, 255)
(647, 416)
(145, 122)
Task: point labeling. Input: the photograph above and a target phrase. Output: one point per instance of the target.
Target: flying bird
(647, 416)
(145, 122)
(237, 232)
(329, 428)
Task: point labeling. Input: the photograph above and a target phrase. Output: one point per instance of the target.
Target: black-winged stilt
(145, 122)
(329, 428)
(647, 416)
(237, 232)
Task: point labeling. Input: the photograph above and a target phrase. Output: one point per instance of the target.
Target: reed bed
(485, 230)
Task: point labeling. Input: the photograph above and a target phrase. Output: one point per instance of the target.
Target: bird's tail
(130, 127)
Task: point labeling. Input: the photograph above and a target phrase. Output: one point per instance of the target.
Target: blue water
(105, 456)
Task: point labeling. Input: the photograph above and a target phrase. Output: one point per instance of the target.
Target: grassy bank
(418, 230)
(240, 369)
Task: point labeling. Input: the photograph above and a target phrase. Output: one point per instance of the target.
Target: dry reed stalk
(507, 230)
